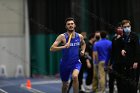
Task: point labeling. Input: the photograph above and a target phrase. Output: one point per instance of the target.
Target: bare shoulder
(61, 36)
(81, 37)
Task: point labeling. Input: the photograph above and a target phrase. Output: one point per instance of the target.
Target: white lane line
(45, 82)
(7, 85)
(32, 89)
(39, 83)
(3, 91)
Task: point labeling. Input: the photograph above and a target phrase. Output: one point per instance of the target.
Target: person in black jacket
(89, 62)
(130, 60)
(87, 66)
(115, 60)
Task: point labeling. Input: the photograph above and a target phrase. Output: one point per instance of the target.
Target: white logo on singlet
(75, 44)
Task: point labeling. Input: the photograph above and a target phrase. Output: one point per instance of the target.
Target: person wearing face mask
(87, 66)
(130, 60)
(115, 64)
(101, 55)
(70, 63)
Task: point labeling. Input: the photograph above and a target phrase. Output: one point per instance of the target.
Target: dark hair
(119, 25)
(91, 36)
(103, 34)
(69, 19)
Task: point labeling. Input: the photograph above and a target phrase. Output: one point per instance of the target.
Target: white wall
(12, 36)
(11, 17)
(12, 53)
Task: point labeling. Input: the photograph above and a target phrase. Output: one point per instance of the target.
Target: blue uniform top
(103, 47)
(71, 54)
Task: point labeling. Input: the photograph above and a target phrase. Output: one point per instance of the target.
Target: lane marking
(39, 83)
(32, 89)
(3, 91)
(7, 85)
(45, 82)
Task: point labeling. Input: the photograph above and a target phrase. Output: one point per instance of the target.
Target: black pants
(111, 82)
(89, 77)
(131, 78)
(115, 76)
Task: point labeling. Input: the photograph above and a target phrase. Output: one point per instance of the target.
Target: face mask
(127, 30)
(97, 37)
(119, 31)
